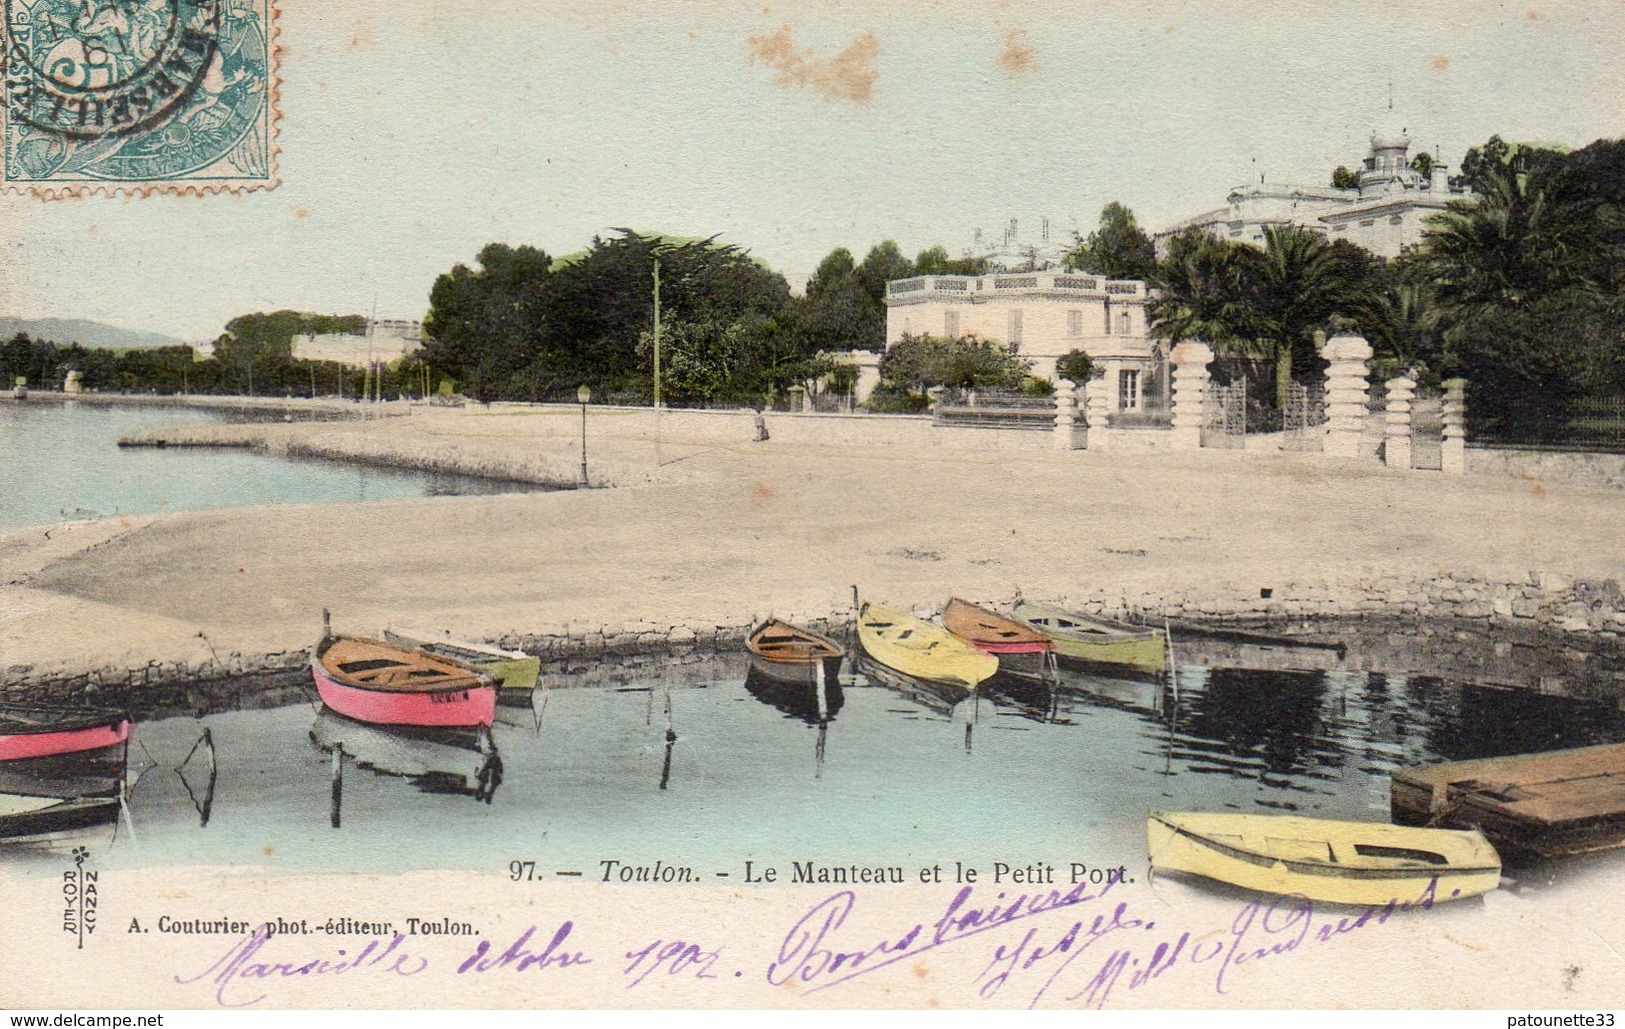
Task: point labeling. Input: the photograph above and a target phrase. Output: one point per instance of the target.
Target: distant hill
(91, 334)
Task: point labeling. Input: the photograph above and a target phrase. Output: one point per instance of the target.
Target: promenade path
(739, 532)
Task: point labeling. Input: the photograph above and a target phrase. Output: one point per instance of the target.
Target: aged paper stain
(850, 75)
(1018, 58)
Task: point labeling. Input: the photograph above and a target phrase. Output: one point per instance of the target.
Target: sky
(413, 133)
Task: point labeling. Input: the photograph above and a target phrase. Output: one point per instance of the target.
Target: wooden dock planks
(1559, 802)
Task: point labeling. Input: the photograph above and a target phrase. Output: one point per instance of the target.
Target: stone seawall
(1543, 606)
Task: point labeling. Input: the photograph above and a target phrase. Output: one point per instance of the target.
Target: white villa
(387, 341)
(1385, 214)
(1040, 316)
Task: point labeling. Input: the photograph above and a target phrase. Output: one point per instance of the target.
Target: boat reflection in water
(52, 804)
(815, 703)
(434, 759)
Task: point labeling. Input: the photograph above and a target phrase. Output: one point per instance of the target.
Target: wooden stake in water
(1173, 667)
(823, 691)
(338, 784)
(214, 770)
(665, 769)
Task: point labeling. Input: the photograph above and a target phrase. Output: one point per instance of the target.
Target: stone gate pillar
(1067, 420)
(1346, 390)
(1189, 392)
(1453, 438)
(1396, 445)
(1097, 409)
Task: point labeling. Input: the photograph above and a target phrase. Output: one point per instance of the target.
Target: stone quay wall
(1555, 606)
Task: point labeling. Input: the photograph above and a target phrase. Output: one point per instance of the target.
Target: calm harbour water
(892, 778)
(63, 462)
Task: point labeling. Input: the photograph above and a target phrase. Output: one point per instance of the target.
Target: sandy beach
(723, 532)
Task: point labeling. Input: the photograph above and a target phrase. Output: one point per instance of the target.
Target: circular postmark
(90, 69)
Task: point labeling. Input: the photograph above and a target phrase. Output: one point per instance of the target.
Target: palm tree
(1264, 303)
(1509, 246)
(1305, 283)
(1202, 292)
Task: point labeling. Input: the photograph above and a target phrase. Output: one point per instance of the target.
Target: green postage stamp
(167, 95)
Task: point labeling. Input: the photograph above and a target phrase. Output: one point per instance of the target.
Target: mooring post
(665, 769)
(338, 784)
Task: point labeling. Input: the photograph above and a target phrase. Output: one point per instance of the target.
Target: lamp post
(584, 395)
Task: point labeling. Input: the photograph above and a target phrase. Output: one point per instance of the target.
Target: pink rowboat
(27, 732)
(372, 681)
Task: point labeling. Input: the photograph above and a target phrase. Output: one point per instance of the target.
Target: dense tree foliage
(916, 363)
(1076, 366)
(1118, 249)
(525, 327)
(178, 370)
(934, 260)
(1528, 278)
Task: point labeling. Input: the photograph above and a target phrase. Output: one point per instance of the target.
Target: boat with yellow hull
(1358, 863)
(514, 671)
(916, 647)
(1088, 638)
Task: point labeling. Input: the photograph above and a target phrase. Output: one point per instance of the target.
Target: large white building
(1040, 316)
(1386, 214)
(386, 341)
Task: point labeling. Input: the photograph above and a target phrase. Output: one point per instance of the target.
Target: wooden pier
(1549, 804)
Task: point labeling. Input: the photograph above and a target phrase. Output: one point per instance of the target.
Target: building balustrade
(1039, 282)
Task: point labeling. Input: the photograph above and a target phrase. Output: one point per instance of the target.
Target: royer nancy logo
(159, 93)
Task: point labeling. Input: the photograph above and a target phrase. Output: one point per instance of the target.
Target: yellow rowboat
(514, 671)
(1360, 863)
(1088, 638)
(918, 648)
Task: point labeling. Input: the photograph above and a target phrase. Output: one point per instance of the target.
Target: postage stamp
(166, 95)
(890, 504)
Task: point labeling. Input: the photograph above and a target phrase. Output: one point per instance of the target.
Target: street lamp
(584, 395)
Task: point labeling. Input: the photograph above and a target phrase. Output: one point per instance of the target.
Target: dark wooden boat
(1556, 803)
(93, 772)
(31, 819)
(791, 654)
(29, 731)
(992, 633)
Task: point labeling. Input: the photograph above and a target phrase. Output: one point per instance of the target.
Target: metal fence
(990, 409)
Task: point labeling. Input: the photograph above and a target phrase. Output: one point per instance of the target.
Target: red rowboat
(372, 681)
(30, 732)
(992, 633)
